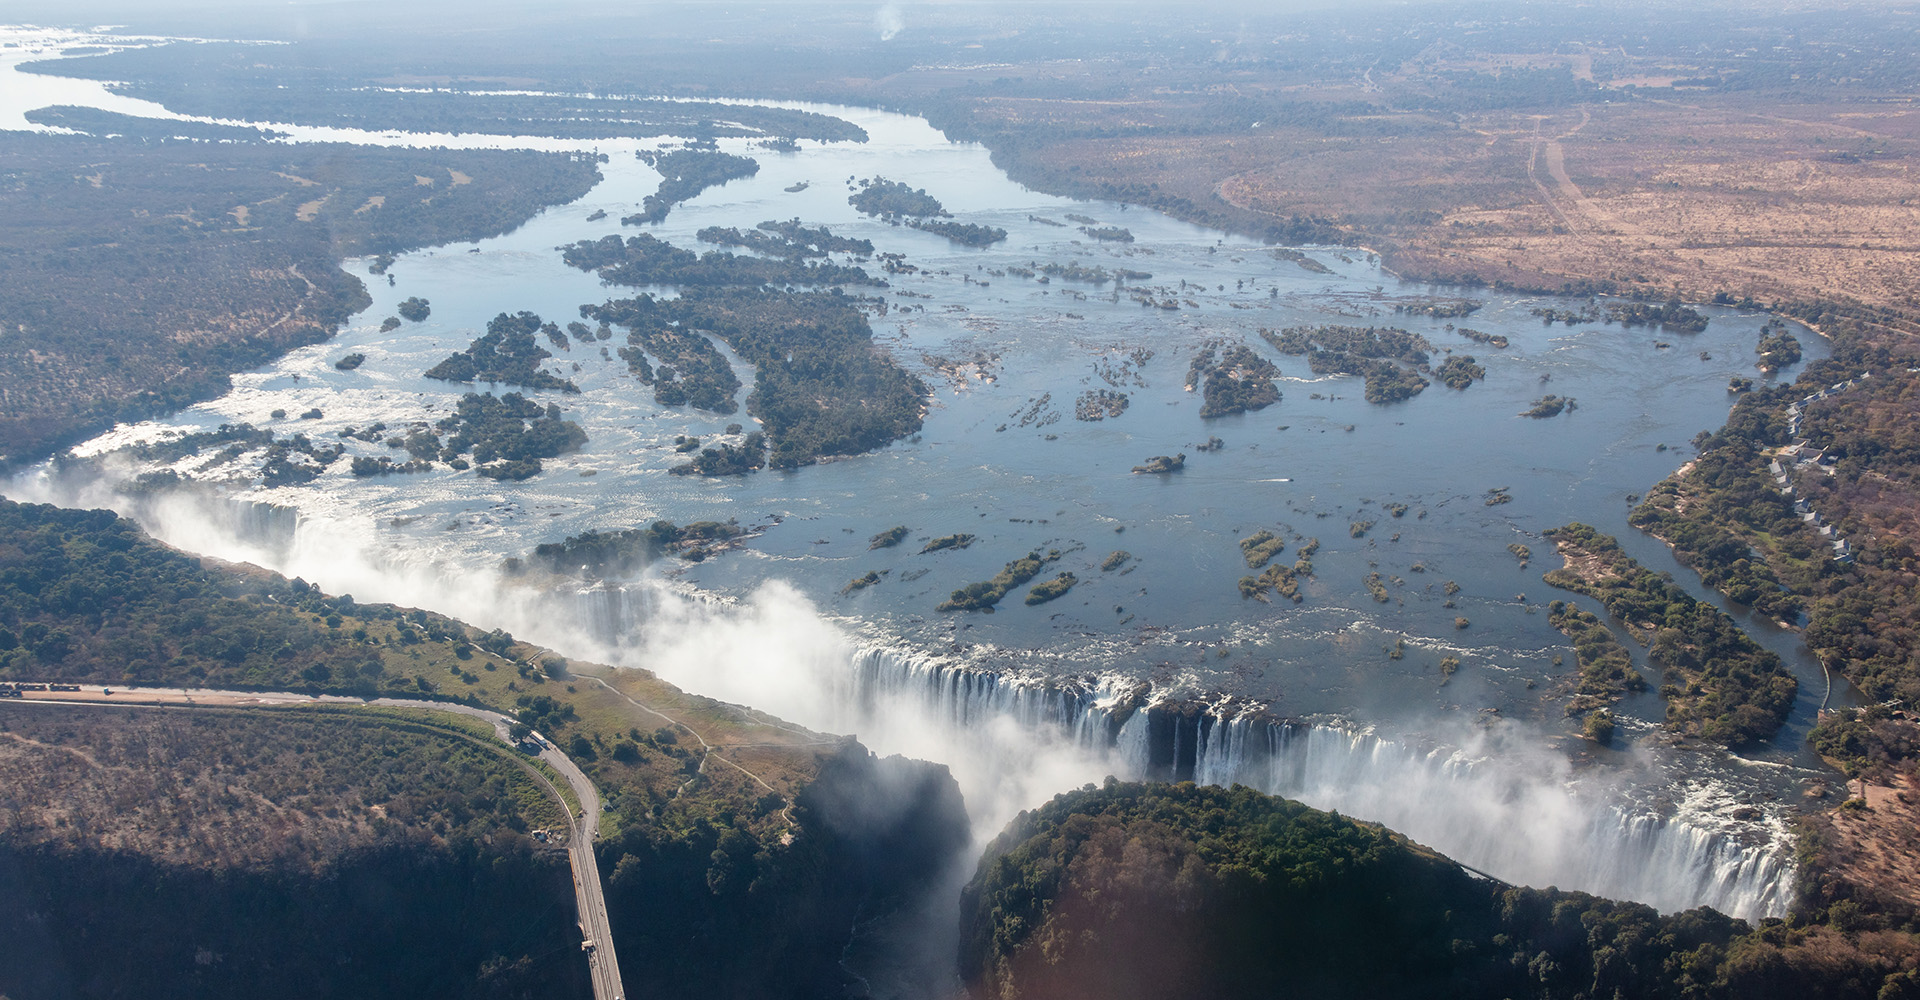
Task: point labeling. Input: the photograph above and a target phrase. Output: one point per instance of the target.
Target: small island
(508, 435)
(726, 459)
(887, 199)
(1723, 686)
(414, 308)
(1671, 316)
(684, 174)
(1099, 404)
(887, 539)
(1278, 578)
(1549, 406)
(1236, 381)
(1305, 262)
(964, 233)
(507, 353)
(959, 541)
(1162, 464)
(789, 239)
(1438, 308)
(983, 596)
(1778, 347)
(644, 260)
(364, 466)
(1260, 548)
(1387, 357)
(604, 555)
(1459, 371)
(1606, 670)
(1056, 587)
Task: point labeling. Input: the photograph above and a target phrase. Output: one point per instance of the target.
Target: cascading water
(1525, 824)
(1013, 740)
(1504, 807)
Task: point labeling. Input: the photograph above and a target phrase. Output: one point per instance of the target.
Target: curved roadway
(596, 933)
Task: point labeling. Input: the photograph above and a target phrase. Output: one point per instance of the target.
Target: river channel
(1429, 497)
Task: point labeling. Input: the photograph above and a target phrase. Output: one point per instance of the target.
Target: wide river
(1401, 490)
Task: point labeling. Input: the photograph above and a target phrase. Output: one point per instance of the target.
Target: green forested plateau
(1176, 891)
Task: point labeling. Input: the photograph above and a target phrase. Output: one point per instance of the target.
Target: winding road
(596, 932)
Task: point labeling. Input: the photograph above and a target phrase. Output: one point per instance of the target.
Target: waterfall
(1494, 800)
(264, 525)
(1524, 824)
(1014, 739)
(609, 612)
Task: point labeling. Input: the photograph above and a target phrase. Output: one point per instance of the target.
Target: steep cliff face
(712, 910)
(192, 854)
(415, 920)
(170, 854)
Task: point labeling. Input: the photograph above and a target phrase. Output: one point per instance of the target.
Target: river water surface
(1469, 757)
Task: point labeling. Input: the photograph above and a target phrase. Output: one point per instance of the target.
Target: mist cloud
(889, 22)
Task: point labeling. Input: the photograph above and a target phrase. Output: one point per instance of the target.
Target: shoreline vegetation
(684, 175)
(130, 322)
(983, 596)
(1719, 684)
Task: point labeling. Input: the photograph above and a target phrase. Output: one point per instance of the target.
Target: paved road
(596, 933)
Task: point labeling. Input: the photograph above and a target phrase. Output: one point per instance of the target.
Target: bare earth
(1880, 846)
